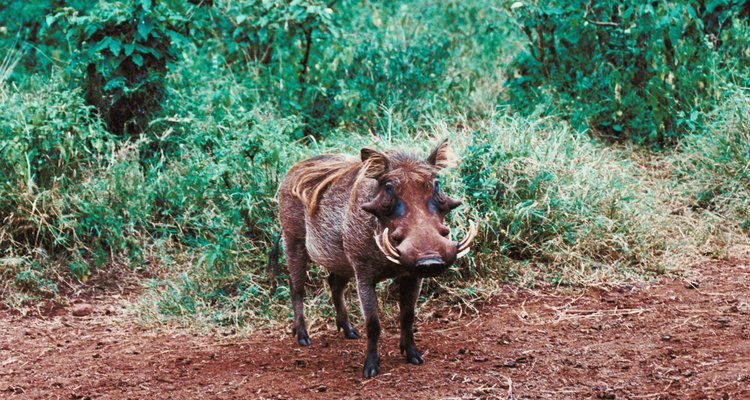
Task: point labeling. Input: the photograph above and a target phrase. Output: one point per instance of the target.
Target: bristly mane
(409, 167)
(316, 175)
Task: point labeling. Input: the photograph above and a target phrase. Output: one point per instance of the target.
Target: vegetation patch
(152, 136)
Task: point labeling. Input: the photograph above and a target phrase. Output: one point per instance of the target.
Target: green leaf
(144, 28)
(137, 59)
(129, 49)
(102, 44)
(115, 46)
(114, 83)
(146, 4)
(177, 37)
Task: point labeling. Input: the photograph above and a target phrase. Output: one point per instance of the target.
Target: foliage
(551, 196)
(124, 48)
(49, 142)
(151, 136)
(714, 166)
(627, 70)
(24, 28)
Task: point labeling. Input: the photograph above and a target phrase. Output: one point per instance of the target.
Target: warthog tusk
(388, 245)
(463, 252)
(463, 245)
(385, 246)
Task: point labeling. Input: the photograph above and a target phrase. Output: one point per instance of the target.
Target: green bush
(713, 167)
(550, 196)
(49, 140)
(636, 70)
(202, 106)
(24, 27)
(124, 49)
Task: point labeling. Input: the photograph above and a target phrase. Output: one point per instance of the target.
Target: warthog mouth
(429, 267)
(462, 248)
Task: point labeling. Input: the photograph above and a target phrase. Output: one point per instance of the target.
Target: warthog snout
(425, 252)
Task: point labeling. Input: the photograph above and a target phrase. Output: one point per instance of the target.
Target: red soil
(674, 339)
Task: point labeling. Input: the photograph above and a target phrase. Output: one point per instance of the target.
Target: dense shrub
(551, 196)
(713, 167)
(124, 49)
(627, 70)
(200, 107)
(25, 28)
(49, 140)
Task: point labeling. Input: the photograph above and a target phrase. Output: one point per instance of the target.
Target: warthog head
(411, 207)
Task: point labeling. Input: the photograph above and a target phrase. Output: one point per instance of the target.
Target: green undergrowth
(552, 205)
(157, 147)
(713, 167)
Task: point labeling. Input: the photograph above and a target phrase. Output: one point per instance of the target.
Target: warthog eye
(391, 204)
(386, 204)
(442, 202)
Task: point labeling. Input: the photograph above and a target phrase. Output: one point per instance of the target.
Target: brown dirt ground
(668, 340)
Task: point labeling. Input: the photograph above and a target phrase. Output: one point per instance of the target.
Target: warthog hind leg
(297, 259)
(338, 285)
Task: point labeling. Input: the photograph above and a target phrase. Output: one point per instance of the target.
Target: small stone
(462, 351)
(504, 339)
(183, 361)
(666, 338)
(82, 310)
(322, 388)
(692, 284)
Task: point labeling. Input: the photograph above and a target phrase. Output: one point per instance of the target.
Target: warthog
(370, 219)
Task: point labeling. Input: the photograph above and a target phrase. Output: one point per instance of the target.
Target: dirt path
(663, 341)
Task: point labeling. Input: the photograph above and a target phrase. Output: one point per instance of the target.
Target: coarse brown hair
(316, 175)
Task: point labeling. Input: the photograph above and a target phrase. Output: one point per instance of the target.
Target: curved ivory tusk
(463, 253)
(388, 246)
(385, 247)
(464, 244)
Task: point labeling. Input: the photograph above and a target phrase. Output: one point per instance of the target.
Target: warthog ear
(375, 163)
(439, 156)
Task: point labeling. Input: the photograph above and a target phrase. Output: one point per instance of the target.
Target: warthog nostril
(430, 262)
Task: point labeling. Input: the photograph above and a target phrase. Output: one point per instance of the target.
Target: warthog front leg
(369, 302)
(338, 285)
(409, 288)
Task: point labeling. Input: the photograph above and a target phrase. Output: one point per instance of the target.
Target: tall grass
(48, 144)
(712, 169)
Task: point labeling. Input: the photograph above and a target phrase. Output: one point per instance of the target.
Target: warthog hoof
(303, 340)
(372, 365)
(302, 337)
(349, 331)
(413, 355)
